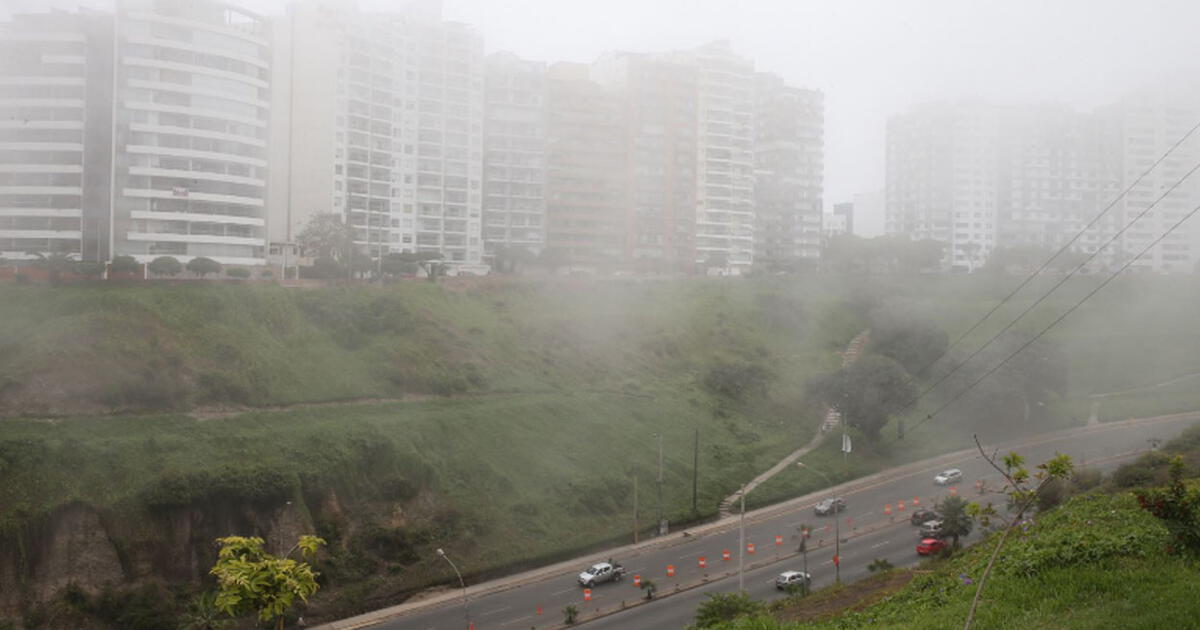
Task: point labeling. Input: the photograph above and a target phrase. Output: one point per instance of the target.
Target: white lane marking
(492, 612)
(565, 590)
(878, 545)
(516, 620)
(637, 570)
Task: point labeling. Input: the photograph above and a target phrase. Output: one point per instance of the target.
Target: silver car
(829, 506)
(792, 578)
(948, 476)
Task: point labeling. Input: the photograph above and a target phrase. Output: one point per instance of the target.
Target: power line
(1060, 318)
(1052, 289)
(1047, 262)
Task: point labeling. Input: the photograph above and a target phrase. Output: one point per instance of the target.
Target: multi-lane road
(536, 599)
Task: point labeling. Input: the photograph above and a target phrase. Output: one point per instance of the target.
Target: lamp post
(837, 528)
(660, 484)
(466, 607)
(742, 541)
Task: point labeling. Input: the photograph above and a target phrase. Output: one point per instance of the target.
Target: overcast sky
(872, 58)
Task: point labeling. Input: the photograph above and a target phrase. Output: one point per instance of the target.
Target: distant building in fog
(840, 221)
(171, 163)
(789, 172)
(380, 119)
(978, 177)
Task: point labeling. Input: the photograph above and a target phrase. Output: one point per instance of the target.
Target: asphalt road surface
(867, 533)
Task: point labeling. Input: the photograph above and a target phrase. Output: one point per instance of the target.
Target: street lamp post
(466, 606)
(742, 542)
(660, 484)
(837, 528)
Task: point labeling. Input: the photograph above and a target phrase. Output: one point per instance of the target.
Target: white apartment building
(141, 132)
(725, 156)
(514, 154)
(43, 107)
(789, 162)
(382, 122)
(942, 179)
(1149, 124)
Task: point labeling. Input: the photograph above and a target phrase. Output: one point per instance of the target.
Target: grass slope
(1098, 561)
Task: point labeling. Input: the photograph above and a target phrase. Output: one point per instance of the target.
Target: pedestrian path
(832, 418)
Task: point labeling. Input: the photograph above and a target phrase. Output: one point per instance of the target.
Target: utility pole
(695, 470)
(635, 511)
(660, 482)
(742, 543)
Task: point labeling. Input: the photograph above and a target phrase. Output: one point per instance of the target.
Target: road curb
(569, 567)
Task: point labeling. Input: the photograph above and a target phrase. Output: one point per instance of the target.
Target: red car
(929, 546)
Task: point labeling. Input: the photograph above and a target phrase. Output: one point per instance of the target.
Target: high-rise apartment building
(585, 168)
(381, 121)
(169, 156)
(978, 177)
(658, 96)
(725, 217)
(514, 155)
(789, 168)
(942, 177)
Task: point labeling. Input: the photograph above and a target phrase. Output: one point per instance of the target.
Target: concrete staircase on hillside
(832, 418)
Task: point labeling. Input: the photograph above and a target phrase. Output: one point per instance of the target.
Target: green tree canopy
(956, 519)
(866, 393)
(202, 266)
(124, 264)
(326, 235)
(913, 342)
(165, 266)
(251, 580)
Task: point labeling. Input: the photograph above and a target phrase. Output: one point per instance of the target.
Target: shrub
(165, 266)
(241, 273)
(722, 607)
(202, 266)
(124, 264)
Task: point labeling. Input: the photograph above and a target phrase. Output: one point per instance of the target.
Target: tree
(914, 343)
(397, 265)
(326, 268)
(87, 269)
(956, 520)
(165, 266)
(240, 273)
(570, 612)
(1177, 506)
(866, 393)
(202, 266)
(202, 614)
(326, 235)
(250, 579)
(56, 263)
(1021, 495)
(724, 607)
(124, 264)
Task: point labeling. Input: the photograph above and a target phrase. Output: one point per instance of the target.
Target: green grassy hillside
(1098, 561)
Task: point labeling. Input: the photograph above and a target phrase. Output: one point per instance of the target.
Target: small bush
(240, 273)
(165, 266)
(202, 266)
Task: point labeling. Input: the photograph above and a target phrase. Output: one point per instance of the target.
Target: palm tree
(956, 521)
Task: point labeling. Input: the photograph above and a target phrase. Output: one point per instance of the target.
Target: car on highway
(601, 572)
(920, 517)
(929, 546)
(933, 529)
(948, 476)
(792, 578)
(830, 506)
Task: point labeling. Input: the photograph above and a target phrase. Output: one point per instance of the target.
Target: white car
(601, 572)
(789, 578)
(948, 476)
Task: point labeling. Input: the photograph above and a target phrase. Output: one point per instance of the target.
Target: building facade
(514, 156)
(382, 124)
(978, 177)
(141, 132)
(789, 173)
